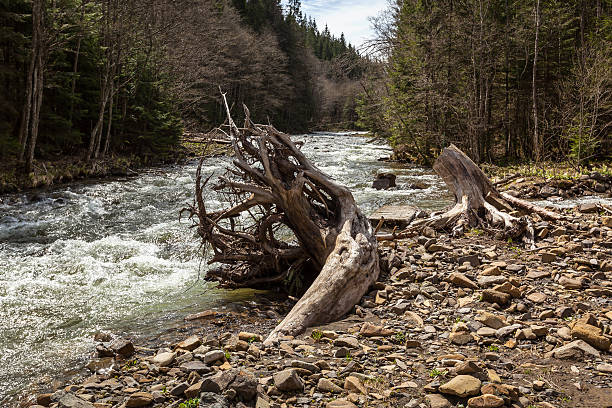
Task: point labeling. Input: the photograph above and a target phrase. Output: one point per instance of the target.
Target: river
(113, 255)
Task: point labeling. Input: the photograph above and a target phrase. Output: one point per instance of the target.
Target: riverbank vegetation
(506, 81)
(93, 79)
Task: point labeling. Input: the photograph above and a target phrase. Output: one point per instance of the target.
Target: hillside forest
(505, 80)
(92, 78)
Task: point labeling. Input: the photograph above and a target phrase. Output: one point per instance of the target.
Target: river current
(113, 256)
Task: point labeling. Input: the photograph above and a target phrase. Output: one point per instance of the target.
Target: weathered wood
(273, 187)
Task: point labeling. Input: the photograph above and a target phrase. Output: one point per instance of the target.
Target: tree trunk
(34, 103)
(477, 203)
(110, 121)
(38, 97)
(537, 147)
(24, 130)
(326, 240)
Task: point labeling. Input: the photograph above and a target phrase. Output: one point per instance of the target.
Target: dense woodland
(90, 78)
(506, 80)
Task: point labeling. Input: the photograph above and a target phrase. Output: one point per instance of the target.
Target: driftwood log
(288, 225)
(478, 204)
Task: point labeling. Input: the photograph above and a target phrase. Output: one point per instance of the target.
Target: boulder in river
(384, 181)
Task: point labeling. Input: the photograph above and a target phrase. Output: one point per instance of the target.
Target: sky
(345, 16)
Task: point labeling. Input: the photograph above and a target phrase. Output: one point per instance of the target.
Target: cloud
(345, 16)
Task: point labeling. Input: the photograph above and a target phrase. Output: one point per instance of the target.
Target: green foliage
(192, 403)
(434, 373)
(316, 335)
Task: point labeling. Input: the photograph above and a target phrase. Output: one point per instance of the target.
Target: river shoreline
(430, 331)
(262, 321)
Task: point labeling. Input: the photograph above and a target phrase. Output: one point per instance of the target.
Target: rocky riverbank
(70, 169)
(452, 323)
(538, 187)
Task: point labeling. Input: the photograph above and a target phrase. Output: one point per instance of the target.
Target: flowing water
(113, 255)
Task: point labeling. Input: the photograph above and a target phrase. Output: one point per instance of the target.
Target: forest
(93, 78)
(505, 80)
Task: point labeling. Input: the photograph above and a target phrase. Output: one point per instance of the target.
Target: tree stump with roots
(477, 203)
(288, 223)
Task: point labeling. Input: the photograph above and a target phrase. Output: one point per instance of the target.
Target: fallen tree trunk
(289, 225)
(477, 203)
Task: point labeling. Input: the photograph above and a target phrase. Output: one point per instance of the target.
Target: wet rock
(461, 386)
(384, 181)
(44, 399)
(418, 186)
(205, 315)
(122, 347)
(288, 380)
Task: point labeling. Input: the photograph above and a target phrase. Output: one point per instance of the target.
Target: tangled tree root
(288, 222)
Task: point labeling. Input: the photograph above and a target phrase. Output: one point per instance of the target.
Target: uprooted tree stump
(288, 223)
(477, 203)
